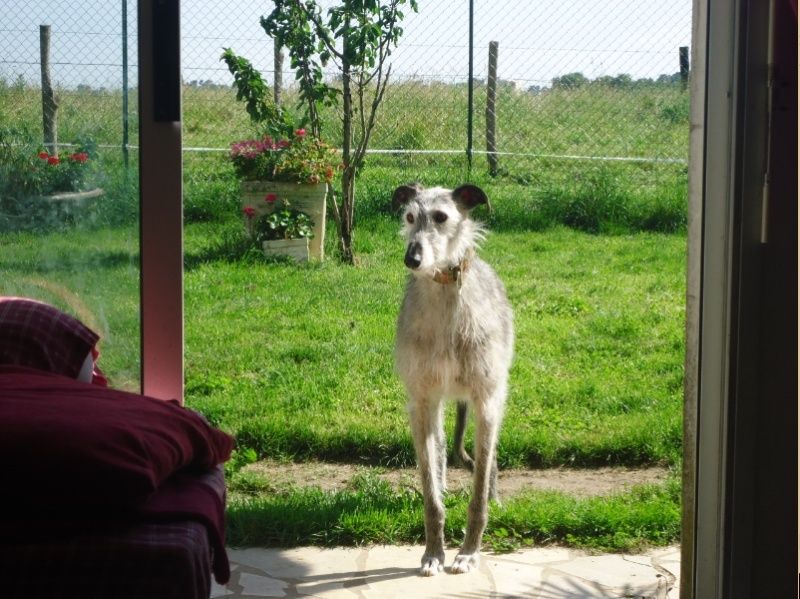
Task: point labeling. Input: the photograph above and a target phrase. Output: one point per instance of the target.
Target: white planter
(305, 197)
(73, 202)
(75, 197)
(298, 249)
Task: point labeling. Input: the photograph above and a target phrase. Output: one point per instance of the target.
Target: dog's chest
(435, 324)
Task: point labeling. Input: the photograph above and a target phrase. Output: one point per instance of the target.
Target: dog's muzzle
(413, 255)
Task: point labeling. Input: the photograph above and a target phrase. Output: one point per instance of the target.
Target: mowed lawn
(296, 361)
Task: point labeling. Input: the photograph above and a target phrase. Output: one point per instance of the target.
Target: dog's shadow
(245, 578)
(355, 581)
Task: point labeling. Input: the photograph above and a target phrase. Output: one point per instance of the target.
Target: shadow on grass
(73, 262)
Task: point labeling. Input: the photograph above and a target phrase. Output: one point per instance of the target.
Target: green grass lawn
(296, 361)
(370, 511)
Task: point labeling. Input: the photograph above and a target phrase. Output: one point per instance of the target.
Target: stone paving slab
(388, 572)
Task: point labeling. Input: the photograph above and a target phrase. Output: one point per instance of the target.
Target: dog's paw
(431, 566)
(465, 562)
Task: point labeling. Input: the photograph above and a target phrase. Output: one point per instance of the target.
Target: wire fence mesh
(577, 85)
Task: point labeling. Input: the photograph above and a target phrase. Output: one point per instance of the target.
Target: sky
(538, 39)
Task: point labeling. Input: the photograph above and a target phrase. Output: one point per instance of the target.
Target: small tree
(357, 36)
(569, 81)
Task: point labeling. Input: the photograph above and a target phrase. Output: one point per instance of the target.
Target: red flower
(249, 211)
(270, 198)
(300, 132)
(52, 160)
(44, 155)
(79, 157)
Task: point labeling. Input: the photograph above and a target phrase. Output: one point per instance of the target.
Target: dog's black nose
(413, 255)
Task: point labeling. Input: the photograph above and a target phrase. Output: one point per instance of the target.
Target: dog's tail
(460, 455)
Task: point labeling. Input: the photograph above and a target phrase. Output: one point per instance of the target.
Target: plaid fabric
(166, 549)
(37, 335)
(144, 561)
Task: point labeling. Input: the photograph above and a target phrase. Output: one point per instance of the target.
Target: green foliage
(301, 158)
(289, 26)
(27, 169)
(569, 81)
(238, 460)
(211, 189)
(676, 112)
(271, 120)
(283, 223)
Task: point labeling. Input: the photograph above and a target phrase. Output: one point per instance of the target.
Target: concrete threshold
(386, 572)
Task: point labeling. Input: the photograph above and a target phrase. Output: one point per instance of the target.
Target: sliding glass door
(69, 168)
(90, 171)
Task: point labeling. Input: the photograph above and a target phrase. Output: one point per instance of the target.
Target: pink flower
(270, 198)
(300, 132)
(52, 160)
(249, 211)
(44, 155)
(250, 148)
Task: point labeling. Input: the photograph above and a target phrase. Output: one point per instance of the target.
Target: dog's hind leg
(488, 415)
(426, 428)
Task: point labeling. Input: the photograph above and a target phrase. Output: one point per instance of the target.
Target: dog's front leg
(487, 424)
(426, 422)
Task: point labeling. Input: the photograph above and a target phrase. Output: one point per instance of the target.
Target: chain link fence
(573, 87)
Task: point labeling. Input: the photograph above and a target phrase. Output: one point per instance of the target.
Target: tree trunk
(346, 224)
(277, 77)
(348, 173)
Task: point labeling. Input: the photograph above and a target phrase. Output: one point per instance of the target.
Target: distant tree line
(621, 81)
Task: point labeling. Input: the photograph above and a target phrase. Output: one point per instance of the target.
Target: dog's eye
(439, 217)
(410, 218)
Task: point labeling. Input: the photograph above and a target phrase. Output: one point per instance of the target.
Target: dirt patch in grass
(576, 482)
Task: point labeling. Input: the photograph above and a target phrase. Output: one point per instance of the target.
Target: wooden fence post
(278, 78)
(683, 58)
(49, 103)
(491, 104)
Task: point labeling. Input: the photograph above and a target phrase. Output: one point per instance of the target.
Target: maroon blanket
(83, 457)
(192, 497)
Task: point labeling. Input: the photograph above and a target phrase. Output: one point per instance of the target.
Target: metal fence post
(125, 128)
(491, 112)
(469, 86)
(683, 58)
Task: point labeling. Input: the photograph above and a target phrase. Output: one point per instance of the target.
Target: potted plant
(295, 170)
(38, 187)
(282, 231)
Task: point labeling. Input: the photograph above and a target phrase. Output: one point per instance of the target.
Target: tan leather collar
(454, 273)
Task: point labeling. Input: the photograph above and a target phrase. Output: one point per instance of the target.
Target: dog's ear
(468, 196)
(403, 195)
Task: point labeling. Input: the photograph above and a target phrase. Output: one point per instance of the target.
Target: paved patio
(388, 572)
